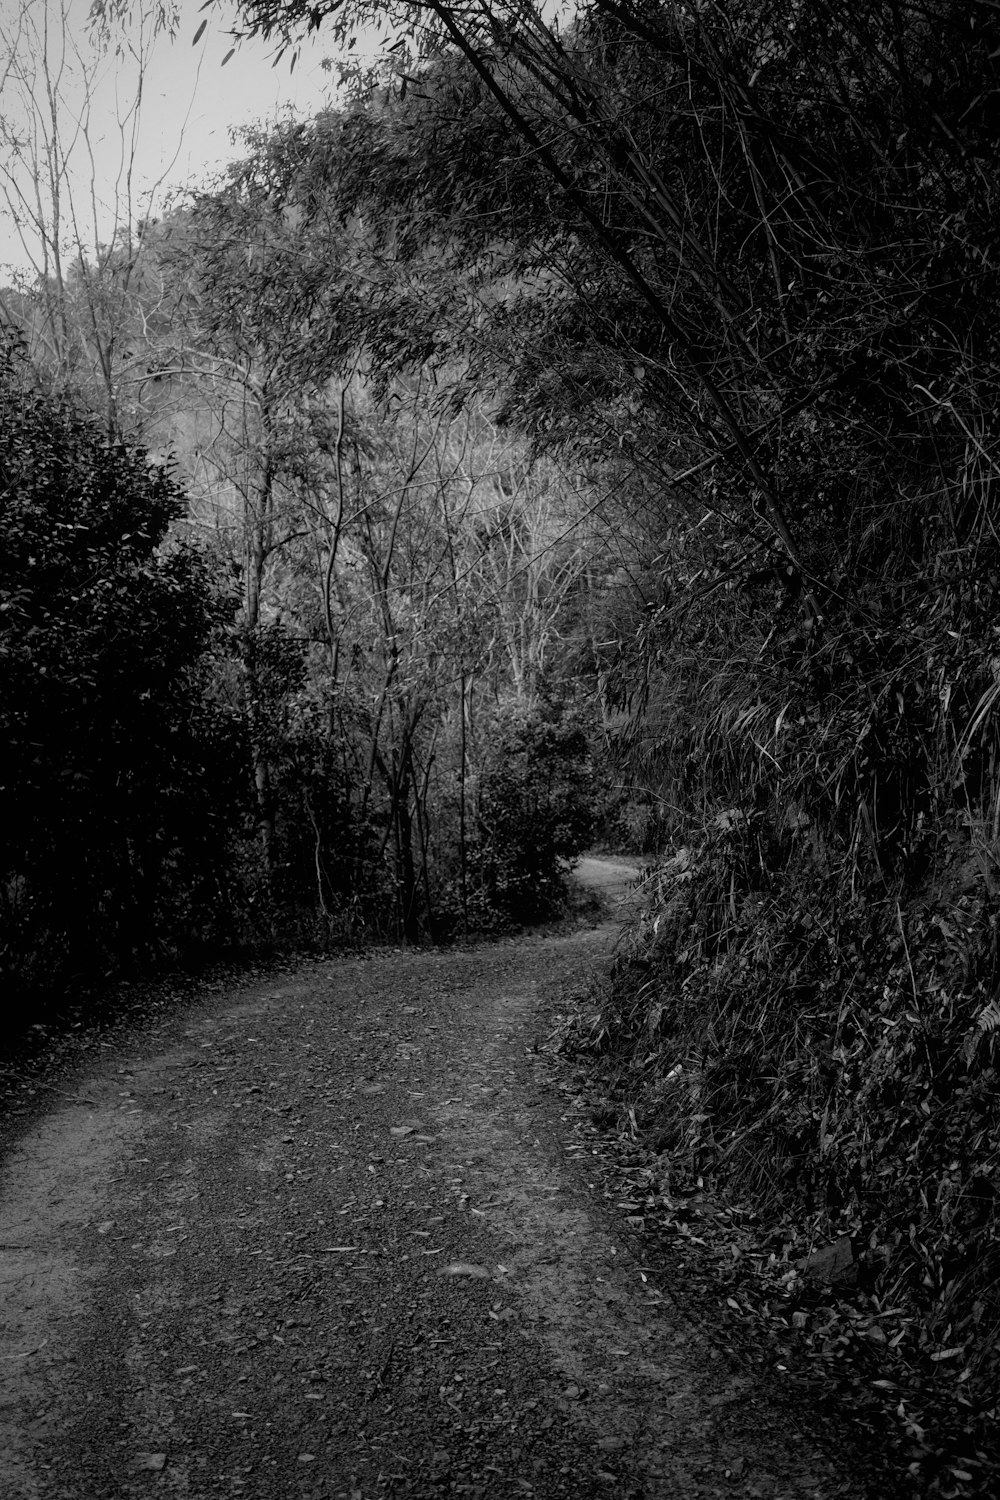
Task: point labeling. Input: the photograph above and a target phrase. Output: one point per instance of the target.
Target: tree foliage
(117, 798)
(401, 560)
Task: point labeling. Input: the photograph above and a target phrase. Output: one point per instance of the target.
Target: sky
(190, 105)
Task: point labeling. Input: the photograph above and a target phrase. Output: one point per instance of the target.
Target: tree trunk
(260, 765)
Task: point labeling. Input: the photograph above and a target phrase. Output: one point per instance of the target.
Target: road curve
(331, 1235)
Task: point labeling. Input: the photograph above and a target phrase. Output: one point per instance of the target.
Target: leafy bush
(116, 778)
(536, 810)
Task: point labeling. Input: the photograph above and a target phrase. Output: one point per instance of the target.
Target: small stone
(152, 1461)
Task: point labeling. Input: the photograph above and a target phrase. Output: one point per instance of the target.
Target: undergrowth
(810, 1040)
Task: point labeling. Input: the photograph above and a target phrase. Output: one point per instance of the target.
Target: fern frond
(987, 1021)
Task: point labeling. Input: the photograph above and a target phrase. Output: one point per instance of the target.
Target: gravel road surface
(331, 1235)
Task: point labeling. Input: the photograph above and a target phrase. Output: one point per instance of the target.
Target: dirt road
(331, 1236)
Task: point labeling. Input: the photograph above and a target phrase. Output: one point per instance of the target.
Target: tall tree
(80, 229)
(239, 346)
(762, 250)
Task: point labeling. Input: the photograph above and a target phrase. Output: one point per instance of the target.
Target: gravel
(322, 1235)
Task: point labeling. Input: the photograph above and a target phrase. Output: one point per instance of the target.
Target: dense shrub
(117, 785)
(536, 810)
(821, 1045)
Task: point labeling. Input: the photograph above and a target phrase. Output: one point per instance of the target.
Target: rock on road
(321, 1236)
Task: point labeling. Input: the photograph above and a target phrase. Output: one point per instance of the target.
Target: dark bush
(536, 810)
(117, 778)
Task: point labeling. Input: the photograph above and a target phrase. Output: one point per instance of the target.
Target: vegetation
(648, 364)
(748, 261)
(117, 778)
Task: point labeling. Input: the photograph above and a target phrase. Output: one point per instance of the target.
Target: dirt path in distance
(329, 1237)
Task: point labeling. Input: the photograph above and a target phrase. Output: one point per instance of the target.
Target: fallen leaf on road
(401, 1130)
(462, 1268)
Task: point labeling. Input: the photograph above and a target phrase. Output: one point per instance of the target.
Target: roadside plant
(119, 801)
